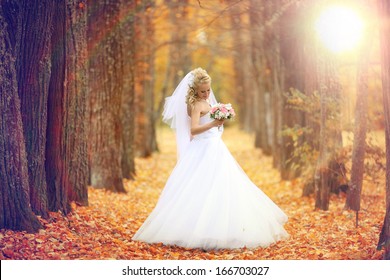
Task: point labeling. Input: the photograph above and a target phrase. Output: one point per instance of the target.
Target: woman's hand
(217, 123)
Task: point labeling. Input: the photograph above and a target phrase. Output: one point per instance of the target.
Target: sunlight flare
(339, 28)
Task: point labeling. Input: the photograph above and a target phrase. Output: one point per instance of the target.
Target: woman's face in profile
(204, 91)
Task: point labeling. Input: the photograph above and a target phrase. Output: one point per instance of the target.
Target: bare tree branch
(221, 13)
(268, 23)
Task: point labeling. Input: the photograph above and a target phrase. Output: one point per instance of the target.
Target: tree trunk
(276, 88)
(33, 54)
(239, 81)
(179, 49)
(76, 82)
(56, 157)
(257, 17)
(105, 92)
(359, 142)
(128, 119)
(66, 157)
(178, 61)
(244, 79)
(310, 89)
(277, 111)
(291, 52)
(270, 52)
(15, 211)
(384, 10)
(326, 173)
(321, 177)
(384, 236)
(144, 127)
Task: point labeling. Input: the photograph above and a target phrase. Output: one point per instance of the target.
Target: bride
(208, 201)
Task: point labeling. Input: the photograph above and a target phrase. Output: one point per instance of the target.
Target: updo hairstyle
(200, 76)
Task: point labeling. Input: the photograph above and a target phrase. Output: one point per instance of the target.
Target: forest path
(103, 230)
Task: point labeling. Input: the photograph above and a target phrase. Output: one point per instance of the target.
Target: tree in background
(145, 132)
(291, 52)
(360, 130)
(128, 15)
(325, 178)
(179, 58)
(241, 61)
(275, 76)
(257, 16)
(76, 85)
(178, 61)
(309, 145)
(105, 47)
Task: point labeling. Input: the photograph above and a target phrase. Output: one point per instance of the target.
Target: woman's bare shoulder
(201, 105)
(197, 106)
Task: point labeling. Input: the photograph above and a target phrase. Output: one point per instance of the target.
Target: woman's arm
(196, 128)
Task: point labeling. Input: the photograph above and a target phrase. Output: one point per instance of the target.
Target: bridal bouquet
(221, 111)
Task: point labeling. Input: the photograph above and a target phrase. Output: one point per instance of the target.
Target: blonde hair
(200, 76)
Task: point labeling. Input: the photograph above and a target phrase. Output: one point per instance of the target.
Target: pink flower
(222, 111)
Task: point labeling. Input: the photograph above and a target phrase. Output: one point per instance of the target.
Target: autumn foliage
(103, 230)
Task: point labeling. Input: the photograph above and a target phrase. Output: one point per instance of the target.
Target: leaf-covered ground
(104, 229)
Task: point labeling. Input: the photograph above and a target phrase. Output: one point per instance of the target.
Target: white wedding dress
(209, 202)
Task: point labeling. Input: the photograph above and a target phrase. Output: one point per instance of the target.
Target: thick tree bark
(33, 53)
(56, 157)
(15, 211)
(66, 150)
(384, 10)
(76, 82)
(105, 92)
